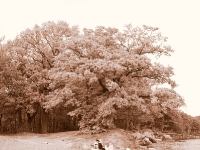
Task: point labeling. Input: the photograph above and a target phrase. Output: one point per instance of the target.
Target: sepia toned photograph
(99, 74)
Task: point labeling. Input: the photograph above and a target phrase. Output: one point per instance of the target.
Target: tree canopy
(92, 74)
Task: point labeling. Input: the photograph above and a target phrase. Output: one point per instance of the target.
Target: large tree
(103, 70)
(93, 73)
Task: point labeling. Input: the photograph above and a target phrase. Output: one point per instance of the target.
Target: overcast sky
(179, 20)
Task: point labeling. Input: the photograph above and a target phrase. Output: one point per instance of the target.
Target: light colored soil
(32, 142)
(166, 145)
(72, 141)
(62, 141)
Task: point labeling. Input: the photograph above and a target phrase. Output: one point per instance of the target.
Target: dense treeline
(57, 78)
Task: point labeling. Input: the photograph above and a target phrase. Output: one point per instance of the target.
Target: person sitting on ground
(100, 145)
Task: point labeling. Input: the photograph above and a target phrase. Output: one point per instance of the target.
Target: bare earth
(74, 141)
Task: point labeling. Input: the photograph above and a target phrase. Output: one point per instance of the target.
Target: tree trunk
(30, 120)
(40, 122)
(34, 125)
(128, 119)
(44, 121)
(162, 124)
(15, 126)
(10, 130)
(1, 126)
(20, 118)
(54, 125)
(50, 125)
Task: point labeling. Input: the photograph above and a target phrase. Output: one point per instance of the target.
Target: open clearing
(72, 141)
(63, 140)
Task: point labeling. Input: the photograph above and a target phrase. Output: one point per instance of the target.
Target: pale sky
(179, 20)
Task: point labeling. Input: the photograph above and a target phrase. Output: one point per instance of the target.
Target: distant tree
(165, 106)
(195, 125)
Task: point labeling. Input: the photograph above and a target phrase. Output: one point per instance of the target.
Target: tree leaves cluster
(92, 73)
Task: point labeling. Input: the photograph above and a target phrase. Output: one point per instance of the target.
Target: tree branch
(103, 86)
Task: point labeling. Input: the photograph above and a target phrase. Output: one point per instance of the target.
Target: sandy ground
(60, 141)
(74, 141)
(168, 146)
(33, 142)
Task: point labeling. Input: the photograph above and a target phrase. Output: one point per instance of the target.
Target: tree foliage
(91, 75)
